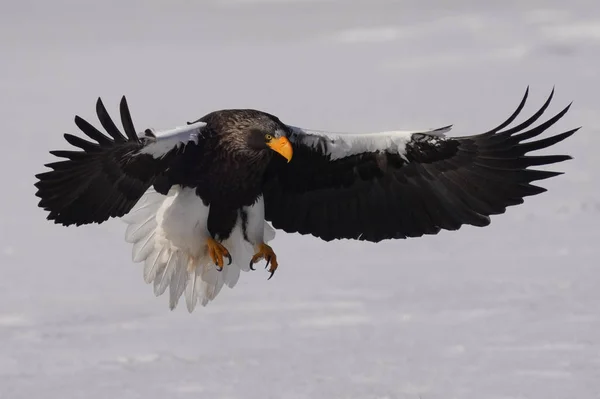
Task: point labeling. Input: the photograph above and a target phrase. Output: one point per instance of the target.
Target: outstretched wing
(405, 184)
(109, 175)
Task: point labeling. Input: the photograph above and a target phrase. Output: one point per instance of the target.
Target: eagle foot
(265, 252)
(217, 252)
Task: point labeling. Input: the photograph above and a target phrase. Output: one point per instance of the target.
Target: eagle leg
(217, 252)
(265, 252)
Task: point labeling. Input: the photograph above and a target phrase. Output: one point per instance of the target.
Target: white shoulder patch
(167, 140)
(340, 145)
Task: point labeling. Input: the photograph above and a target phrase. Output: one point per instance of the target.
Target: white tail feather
(166, 270)
(143, 248)
(151, 264)
(178, 280)
(191, 295)
(168, 233)
(135, 232)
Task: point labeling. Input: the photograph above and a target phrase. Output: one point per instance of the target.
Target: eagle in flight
(198, 198)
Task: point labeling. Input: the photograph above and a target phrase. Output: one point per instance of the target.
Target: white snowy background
(508, 311)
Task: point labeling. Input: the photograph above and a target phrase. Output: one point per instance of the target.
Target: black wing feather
(126, 120)
(108, 124)
(103, 180)
(437, 185)
(516, 113)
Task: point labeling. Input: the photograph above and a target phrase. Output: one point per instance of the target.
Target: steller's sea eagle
(197, 198)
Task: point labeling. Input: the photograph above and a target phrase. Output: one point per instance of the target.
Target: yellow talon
(265, 252)
(217, 252)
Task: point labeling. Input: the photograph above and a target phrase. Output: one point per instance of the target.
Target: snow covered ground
(509, 311)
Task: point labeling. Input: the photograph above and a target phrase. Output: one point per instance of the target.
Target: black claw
(229, 257)
(220, 269)
(268, 261)
(251, 265)
(272, 273)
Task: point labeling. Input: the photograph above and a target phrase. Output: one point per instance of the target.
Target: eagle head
(251, 131)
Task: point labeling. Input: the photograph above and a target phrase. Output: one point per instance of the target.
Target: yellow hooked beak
(282, 146)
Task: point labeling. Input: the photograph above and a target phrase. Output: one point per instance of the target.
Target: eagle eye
(268, 137)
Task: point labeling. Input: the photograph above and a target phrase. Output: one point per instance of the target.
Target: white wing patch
(167, 140)
(341, 145)
(169, 235)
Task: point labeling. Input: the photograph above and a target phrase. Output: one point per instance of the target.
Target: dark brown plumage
(106, 179)
(200, 188)
(438, 183)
